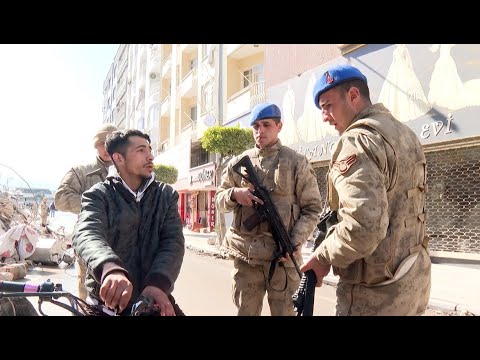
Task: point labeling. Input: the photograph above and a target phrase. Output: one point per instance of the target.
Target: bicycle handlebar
(48, 291)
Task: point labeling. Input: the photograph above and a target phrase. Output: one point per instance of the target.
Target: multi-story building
(174, 92)
(435, 89)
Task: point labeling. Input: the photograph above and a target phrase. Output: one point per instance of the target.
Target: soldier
(81, 178)
(44, 211)
(296, 196)
(129, 231)
(376, 183)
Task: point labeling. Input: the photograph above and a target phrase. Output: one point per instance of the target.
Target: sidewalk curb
(211, 252)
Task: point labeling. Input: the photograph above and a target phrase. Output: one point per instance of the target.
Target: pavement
(455, 286)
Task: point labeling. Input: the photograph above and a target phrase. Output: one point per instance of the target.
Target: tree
(166, 173)
(227, 141)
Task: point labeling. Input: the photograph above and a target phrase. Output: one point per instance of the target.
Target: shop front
(196, 203)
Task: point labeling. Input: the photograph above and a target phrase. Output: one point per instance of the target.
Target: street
(202, 289)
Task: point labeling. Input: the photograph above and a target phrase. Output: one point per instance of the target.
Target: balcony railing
(257, 93)
(188, 86)
(165, 106)
(167, 67)
(245, 99)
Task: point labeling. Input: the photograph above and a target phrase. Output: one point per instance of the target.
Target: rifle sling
(270, 275)
(256, 163)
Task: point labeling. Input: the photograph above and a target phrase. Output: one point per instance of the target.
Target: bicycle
(49, 292)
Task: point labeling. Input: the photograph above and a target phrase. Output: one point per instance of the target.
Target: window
(199, 156)
(193, 63)
(193, 113)
(252, 75)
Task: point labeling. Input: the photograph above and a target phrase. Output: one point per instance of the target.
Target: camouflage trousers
(407, 296)
(81, 274)
(250, 283)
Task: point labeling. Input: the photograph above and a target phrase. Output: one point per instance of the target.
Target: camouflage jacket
(78, 180)
(295, 195)
(377, 182)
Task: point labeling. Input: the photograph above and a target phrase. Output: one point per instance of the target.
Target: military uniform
(69, 195)
(377, 182)
(78, 180)
(44, 212)
(296, 196)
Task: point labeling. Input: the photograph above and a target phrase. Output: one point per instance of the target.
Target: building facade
(175, 92)
(433, 88)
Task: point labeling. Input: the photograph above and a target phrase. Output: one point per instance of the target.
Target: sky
(51, 98)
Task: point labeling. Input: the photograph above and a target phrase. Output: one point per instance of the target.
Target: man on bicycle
(129, 232)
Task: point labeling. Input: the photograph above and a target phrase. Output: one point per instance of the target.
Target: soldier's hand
(245, 197)
(296, 253)
(320, 269)
(116, 291)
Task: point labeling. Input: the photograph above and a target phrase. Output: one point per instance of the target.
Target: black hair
(359, 84)
(118, 141)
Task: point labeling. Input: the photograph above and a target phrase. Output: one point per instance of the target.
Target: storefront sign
(202, 176)
(211, 212)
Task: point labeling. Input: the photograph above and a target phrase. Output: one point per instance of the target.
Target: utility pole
(220, 95)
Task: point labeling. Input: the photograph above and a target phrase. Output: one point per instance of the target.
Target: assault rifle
(266, 212)
(304, 297)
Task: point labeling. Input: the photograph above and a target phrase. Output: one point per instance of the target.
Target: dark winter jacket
(144, 238)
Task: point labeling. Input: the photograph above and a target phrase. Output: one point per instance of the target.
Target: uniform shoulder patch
(343, 165)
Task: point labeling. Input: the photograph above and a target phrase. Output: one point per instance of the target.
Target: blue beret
(335, 76)
(265, 111)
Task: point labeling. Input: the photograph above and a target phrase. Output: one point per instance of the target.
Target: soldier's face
(265, 132)
(337, 108)
(102, 152)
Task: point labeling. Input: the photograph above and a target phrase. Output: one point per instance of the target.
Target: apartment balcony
(185, 136)
(243, 51)
(155, 88)
(165, 106)
(231, 48)
(163, 145)
(188, 86)
(122, 87)
(122, 66)
(154, 60)
(167, 68)
(120, 113)
(140, 101)
(188, 48)
(244, 100)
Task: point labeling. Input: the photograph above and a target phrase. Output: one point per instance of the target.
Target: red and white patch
(343, 165)
(329, 79)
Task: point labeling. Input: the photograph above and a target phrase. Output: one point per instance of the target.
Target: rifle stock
(304, 297)
(266, 212)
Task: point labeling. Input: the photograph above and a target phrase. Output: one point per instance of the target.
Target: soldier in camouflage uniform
(78, 180)
(44, 211)
(377, 183)
(296, 196)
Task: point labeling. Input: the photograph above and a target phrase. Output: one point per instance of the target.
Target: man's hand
(245, 197)
(296, 253)
(160, 299)
(116, 291)
(320, 270)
